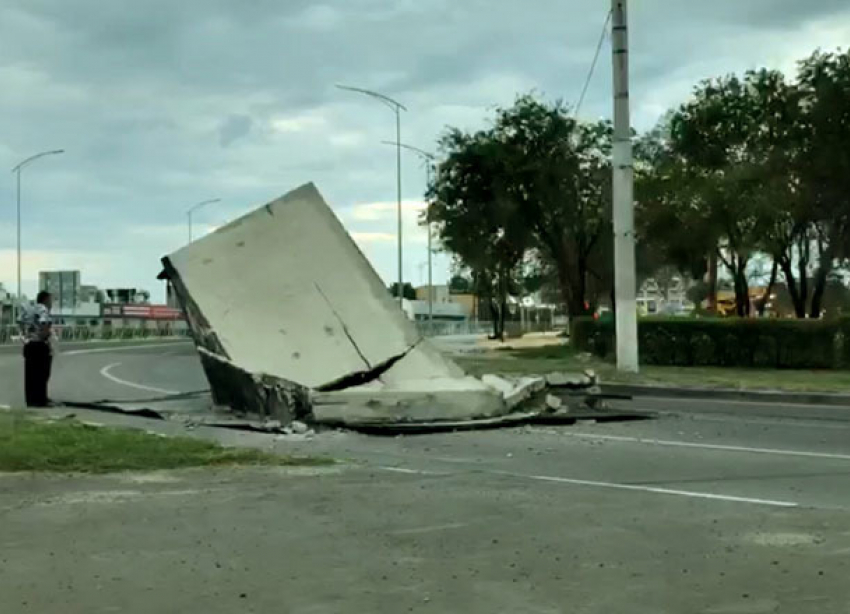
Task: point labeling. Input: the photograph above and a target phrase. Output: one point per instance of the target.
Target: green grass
(563, 358)
(30, 444)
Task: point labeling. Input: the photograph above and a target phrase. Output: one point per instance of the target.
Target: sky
(160, 105)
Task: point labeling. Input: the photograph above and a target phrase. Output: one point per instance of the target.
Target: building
(442, 312)
(669, 299)
(78, 306)
(64, 287)
(442, 295)
(127, 296)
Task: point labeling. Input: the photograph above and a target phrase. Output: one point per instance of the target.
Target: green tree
(476, 219)
(407, 289)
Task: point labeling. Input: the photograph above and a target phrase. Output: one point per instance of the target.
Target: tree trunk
(742, 290)
(826, 257)
(774, 271)
(712, 282)
(798, 301)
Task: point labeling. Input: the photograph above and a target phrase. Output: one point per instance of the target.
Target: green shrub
(725, 342)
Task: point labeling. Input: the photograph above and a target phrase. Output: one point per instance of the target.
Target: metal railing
(11, 334)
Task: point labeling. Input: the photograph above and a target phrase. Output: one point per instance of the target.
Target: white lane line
(123, 348)
(710, 446)
(432, 529)
(616, 486)
(105, 372)
(409, 471)
(652, 489)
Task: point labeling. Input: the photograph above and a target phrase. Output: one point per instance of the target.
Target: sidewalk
(827, 387)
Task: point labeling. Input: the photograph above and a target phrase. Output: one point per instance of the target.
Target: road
(715, 508)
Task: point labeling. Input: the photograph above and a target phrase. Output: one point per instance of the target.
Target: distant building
(85, 306)
(442, 312)
(127, 296)
(64, 287)
(442, 295)
(672, 299)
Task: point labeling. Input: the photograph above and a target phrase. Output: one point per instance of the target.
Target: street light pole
(623, 196)
(397, 108)
(194, 208)
(429, 160)
(17, 170)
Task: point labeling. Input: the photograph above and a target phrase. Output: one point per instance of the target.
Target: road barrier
(11, 334)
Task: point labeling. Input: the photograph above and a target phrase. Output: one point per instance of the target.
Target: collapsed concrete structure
(291, 321)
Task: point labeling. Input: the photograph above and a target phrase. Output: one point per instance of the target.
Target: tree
(475, 218)
(459, 284)
(408, 291)
(824, 81)
(721, 183)
(560, 177)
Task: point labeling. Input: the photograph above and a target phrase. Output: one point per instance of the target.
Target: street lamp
(397, 107)
(429, 160)
(194, 208)
(17, 170)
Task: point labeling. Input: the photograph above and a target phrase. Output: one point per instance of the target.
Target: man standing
(36, 328)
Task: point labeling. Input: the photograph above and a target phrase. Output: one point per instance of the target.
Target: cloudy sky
(160, 104)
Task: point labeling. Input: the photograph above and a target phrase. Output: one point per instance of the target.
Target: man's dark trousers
(37, 363)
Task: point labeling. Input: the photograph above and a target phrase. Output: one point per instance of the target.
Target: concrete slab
(281, 301)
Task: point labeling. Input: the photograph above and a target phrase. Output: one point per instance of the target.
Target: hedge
(732, 342)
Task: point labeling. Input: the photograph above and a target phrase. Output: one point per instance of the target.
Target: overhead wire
(593, 64)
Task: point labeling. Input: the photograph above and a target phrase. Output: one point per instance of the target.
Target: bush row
(766, 343)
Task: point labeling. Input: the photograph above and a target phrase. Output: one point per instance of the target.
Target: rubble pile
(292, 323)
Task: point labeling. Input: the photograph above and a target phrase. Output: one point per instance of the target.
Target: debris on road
(292, 324)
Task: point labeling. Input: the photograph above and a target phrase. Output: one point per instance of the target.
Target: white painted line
(123, 348)
(5, 407)
(409, 471)
(652, 489)
(105, 372)
(710, 446)
(433, 529)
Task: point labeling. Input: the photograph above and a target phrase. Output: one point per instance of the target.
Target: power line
(593, 64)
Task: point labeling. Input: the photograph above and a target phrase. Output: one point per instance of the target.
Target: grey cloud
(233, 128)
(147, 96)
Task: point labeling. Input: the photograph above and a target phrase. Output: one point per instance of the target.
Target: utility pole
(623, 184)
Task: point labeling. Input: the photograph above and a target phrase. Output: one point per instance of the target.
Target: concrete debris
(553, 403)
(571, 380)
(299, 428)
(293, 325)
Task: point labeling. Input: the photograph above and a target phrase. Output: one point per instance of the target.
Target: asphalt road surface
(714, 507)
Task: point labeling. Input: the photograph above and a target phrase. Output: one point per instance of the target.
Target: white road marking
(5, 407)
(710, 446)
(652, 489)
(105, 372)
(432, 529)
(616, 486)
(123, 348)
(409, 471)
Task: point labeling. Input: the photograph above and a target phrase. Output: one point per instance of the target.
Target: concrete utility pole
(429, 160)
(194, 208)
(623, 184)
(397, 108)
(17, 170)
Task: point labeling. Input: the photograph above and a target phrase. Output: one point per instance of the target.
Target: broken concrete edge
(262, 395)
(393, 429)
